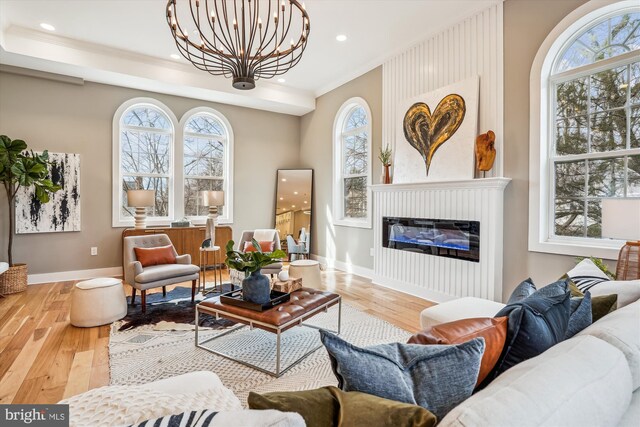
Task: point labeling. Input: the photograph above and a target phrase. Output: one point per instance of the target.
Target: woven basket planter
(14, 280)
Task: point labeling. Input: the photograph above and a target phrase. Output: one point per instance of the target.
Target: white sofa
(592, 379)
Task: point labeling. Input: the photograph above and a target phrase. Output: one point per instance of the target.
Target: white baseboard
(343, 266)
(410, 289)
(62, 276)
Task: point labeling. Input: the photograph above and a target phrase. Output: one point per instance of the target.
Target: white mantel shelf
(495, 183)
(433, 277)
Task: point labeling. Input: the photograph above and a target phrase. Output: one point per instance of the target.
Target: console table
(187, 240)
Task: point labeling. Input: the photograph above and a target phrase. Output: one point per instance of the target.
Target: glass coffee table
(303, 304)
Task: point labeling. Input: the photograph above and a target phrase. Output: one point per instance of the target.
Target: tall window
(352, 164)
(206, 160)
(145, 156)
(596, 144)
(585, 127)
(145, 151)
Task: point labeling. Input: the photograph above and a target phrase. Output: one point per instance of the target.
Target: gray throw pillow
(581, 316)
(436, 377)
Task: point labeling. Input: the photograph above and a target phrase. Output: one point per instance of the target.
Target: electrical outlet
(94, 250)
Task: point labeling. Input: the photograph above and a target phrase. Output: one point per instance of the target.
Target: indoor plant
(385, 158)
(255, 286)
(21, 168)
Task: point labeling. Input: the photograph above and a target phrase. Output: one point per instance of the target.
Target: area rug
(175, 311)
(144, 355)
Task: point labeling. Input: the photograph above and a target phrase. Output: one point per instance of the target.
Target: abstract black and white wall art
(62, 213)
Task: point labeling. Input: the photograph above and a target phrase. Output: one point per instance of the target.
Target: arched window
(207, 161)
(144, 131)
(352, 164)
(589, 141)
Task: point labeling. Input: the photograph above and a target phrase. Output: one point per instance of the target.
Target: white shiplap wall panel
(469, 48)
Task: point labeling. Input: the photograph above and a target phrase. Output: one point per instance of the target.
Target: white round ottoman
(308, 270)
(98, 302)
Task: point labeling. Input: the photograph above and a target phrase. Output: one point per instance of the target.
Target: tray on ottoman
(235, 298)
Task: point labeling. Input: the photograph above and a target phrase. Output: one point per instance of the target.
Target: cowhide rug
(173, 312)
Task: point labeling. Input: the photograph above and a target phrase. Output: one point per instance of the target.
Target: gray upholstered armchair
(155, 276)
(263, 235)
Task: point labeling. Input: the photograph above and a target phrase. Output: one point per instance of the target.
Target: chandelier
(243, 39)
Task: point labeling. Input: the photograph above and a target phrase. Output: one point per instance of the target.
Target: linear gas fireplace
(440, 237)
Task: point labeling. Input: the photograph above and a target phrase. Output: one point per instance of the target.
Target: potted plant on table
(20, 168)
(255, 286)
(385, 157)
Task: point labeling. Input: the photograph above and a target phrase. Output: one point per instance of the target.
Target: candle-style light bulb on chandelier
(243, 39)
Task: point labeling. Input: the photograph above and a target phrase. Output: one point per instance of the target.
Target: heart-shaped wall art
(427, 132)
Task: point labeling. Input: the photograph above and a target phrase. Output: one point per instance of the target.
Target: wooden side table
(217, 272)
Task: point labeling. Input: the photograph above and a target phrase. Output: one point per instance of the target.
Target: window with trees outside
(146, 136)
(352, 164)
(595, 135)
(205, 141)
(153, 151)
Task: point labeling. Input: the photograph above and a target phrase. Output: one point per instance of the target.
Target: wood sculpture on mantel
(485, 151)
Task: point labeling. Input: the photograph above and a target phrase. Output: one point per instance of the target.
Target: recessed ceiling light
(175, 56)
(281, 198)
(305, 202)
(47, 27)
(341, 37)
(281, 80)
(284, 179)
(293, 206)
(295, 192)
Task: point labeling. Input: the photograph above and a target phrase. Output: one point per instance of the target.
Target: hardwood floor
(44, 359)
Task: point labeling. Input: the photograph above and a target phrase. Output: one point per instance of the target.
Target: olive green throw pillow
(330, 406)
(600, 305)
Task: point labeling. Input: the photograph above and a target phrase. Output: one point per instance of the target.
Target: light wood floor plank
(80, 374)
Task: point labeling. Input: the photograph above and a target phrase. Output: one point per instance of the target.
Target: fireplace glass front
(440, 237)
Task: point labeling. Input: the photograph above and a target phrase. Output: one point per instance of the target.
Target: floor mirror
(294, 193)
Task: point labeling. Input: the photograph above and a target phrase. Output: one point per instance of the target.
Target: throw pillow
(266, 247)
(330, 406)
(580, 317)
(588, 277)
(579, 309)
(600, 305)
(155, 256)
(210, 418)
(522, 291)
(535, 325)
(436, 377)
(493, 330)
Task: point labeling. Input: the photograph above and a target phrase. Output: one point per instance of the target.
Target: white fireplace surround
(438, 278)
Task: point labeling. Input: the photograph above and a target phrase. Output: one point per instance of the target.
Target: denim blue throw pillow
(436, 377)
(522, 291)
(581, 316)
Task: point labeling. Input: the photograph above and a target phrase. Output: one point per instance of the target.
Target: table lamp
(141, 200)
(621, 220)
(212, 199)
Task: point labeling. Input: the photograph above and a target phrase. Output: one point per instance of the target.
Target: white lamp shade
(141, 198)
(212, 198)
(621, 218)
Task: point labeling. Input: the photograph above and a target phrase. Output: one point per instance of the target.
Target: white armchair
(155, 276)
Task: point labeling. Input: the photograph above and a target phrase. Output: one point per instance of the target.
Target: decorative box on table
(287, 286)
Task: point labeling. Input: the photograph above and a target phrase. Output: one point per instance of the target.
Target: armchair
(263, 235)
(155, 276)
(297, 249)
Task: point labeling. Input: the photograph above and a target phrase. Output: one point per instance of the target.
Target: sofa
(592, 379)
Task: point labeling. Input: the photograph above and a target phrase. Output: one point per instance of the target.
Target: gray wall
(347, 243)
(526, 24)
(69, 118)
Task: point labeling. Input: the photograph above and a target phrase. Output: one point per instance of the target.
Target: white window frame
(338, 164)
(227, 217)
(541, 178)
(116, 218)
